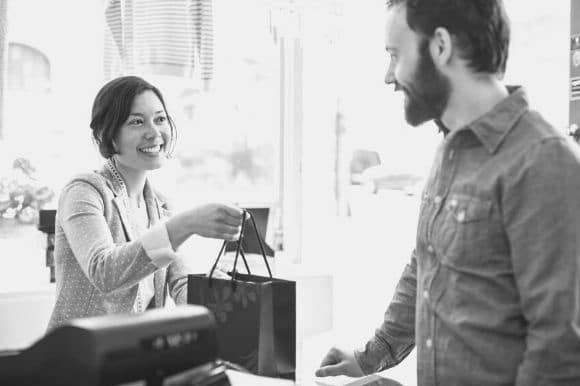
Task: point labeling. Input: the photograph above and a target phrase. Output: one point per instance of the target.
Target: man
(488, 296)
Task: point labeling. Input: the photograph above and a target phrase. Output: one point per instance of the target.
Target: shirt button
(430, 249)
(451, 154)
(453, 203)
(429, 343)
(437, 199)
(461, 216)
(426, 294)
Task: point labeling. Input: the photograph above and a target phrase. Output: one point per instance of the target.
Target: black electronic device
(46, 219)
(176, 346)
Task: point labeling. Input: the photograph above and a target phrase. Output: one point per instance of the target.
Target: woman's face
(142, 141)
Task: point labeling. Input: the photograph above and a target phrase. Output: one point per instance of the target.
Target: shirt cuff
(374, 357)
(157, 245)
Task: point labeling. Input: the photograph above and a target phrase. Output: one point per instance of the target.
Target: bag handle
(241, 239)
(220, 255)
(260, 242)
(240, 249)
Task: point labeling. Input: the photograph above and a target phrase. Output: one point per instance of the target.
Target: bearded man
(488, 296)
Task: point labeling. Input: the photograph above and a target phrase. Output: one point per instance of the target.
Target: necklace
(115, 173)
(111, 166)
(138, 300)
(117, 176)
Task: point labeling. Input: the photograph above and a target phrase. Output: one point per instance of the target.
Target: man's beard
(428, 92)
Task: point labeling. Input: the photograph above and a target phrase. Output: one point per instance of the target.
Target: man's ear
(441, 47)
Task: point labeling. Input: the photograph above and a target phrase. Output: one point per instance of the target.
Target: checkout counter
(161, 347)
(170, 346)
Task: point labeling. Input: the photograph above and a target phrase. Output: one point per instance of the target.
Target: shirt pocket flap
(465, 209)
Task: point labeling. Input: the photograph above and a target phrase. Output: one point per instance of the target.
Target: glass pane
(227, 147)
(227, 144)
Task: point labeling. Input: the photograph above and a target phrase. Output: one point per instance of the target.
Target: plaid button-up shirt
(488, 296)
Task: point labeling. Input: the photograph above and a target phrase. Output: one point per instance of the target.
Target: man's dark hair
(480, 28)
(112, 107)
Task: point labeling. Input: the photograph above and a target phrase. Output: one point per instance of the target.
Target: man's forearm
(395, 339)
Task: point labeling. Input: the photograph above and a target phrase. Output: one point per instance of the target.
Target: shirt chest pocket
(462, 231)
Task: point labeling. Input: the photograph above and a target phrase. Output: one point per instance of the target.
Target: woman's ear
(441, 47)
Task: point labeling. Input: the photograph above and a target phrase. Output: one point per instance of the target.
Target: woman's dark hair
(112, 107)
(481, 28)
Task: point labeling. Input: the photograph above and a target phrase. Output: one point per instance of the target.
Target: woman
(115, 239)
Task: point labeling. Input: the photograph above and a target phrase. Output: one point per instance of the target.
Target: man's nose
(390, 75)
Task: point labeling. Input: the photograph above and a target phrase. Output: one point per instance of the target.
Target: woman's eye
(135, 121)
(161, 119)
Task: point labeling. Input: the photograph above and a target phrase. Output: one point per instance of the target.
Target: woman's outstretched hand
(215, 220)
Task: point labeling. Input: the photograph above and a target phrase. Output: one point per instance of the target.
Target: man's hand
(339, 362)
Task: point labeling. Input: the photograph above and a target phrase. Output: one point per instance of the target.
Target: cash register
(176, 346)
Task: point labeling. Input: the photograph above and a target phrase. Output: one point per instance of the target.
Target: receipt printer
(167, 346)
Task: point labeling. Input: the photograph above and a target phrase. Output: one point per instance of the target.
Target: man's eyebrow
(391, 49)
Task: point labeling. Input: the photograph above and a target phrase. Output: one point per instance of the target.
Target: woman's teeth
(151, 149)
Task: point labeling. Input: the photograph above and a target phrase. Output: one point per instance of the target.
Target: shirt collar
(493, 127)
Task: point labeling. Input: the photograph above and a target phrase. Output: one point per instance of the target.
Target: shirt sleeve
(395, 338)
(541, 205)
(157, 245)
(177, 273)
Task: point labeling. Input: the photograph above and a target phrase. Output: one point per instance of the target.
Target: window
(21, 194)
(28, 68)
(228, 125)
(228, 128)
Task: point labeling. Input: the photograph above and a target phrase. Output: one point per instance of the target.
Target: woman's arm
(111, 266)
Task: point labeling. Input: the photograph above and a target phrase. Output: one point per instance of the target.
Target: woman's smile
(152, 150)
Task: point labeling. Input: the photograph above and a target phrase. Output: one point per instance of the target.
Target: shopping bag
(256, 315)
